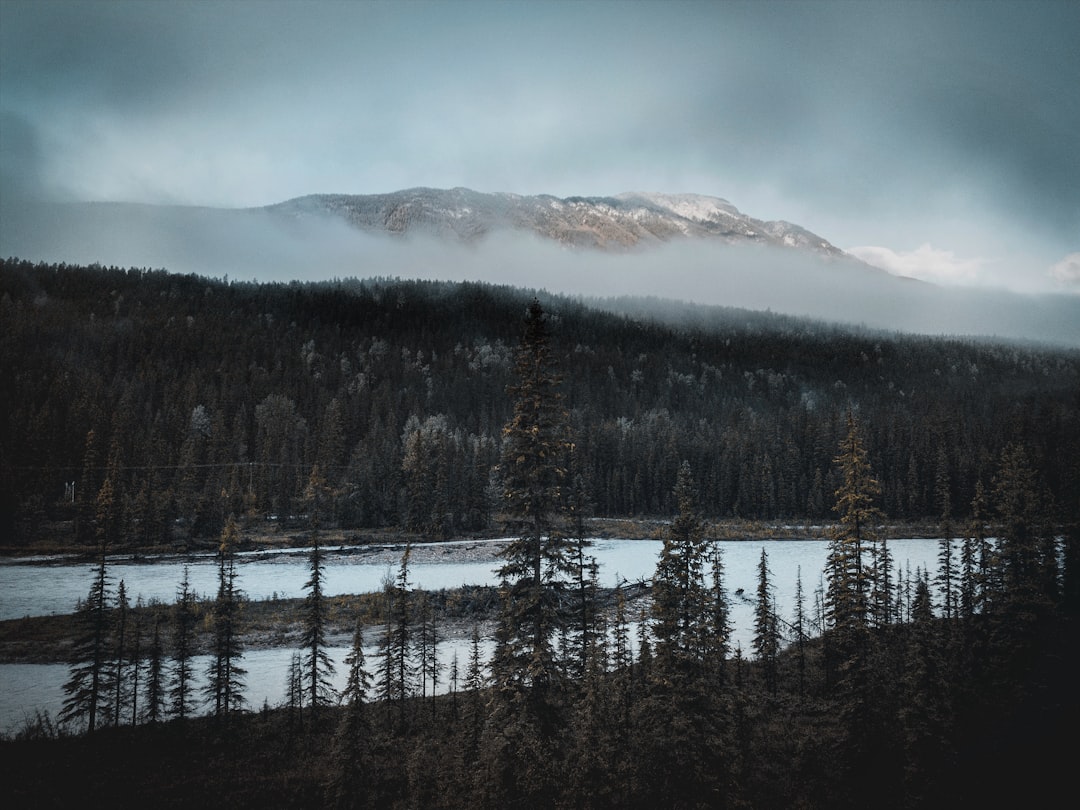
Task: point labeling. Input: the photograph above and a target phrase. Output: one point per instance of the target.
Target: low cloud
(926, 263)
(264, 246)
(1067, 271)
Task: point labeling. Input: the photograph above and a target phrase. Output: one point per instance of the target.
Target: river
(35, 587)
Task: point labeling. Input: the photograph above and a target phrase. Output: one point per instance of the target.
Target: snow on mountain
(622, 222)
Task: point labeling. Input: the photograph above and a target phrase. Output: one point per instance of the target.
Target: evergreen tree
(925, 712)
(318, 668)
(766, 629)
(799, 628)
(399, 671)
(87, 688)
(946, 576)
(119, 673)
(681, 598)
(427, 647)
(135, 662)
(352, 744)
(155, 679)
(535, 565)
(847, 596)
(358, 683)
(225, 676)
(720, 637)
(181, 698)
(1027, 548)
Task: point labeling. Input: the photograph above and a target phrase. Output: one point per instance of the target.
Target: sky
(939, 140)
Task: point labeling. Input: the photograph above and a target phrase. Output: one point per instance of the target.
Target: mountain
(706, 251)
(613, 223)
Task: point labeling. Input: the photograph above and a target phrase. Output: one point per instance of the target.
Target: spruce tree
(798, 626)
(847, 596)
(225, 676)
(119, 673)
(155, 678)
(87, 688)
(349, 786)
(766, 630)
(1027, 547)
(535, 567)
(681, 598)
(946, 577)
(720, 635)
(317, 667)
(181, 699)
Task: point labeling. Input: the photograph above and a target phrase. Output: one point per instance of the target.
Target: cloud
(1067, 271)
(926, 262)
(258, 244)
(871, 124)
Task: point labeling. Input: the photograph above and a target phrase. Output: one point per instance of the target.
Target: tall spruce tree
(88, 683)
(120, 655)
(181, 690)
(349, 785)
(766, 627)
(681, 598)
(318, 668)
(225, 676)
(1027, 552)
(848, 595)
(946, 576)
(536, 566)
(155, 678)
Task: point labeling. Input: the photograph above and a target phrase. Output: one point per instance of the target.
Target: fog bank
(257, 245)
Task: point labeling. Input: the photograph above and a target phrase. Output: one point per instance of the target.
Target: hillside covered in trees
(950, 691)
(198, 398)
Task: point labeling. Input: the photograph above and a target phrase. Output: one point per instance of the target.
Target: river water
(35, 587)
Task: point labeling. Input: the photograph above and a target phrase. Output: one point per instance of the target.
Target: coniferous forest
(146, 411)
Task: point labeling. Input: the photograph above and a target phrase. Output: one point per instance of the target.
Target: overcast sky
(940, 140)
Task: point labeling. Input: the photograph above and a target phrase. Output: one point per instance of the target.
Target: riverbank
(57, 539)
(275, 623)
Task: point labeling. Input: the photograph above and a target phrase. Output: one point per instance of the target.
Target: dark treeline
(875, 691)
(199, 398)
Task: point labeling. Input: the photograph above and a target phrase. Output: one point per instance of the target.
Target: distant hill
(611, 223)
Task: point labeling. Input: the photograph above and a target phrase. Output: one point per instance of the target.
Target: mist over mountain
(679, 247)
(611, 223)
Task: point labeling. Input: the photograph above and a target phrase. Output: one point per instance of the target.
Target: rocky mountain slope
(614, 223)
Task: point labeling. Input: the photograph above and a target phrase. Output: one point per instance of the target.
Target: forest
(191, 410)
(200, 398)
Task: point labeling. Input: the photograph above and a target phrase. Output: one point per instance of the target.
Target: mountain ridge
(621, 222)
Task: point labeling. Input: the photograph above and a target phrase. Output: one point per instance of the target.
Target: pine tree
(799, 628)
(398, 670)
(946, 577)
(766, 630)
(847, 597)
(225, 676)
(427, 647)
(925, 713)
(88, 684)
(358, 683)
(119, 673)
(155, 680)
(535, 567)
(318, 668)
(584, 612)
(135, 661)
(681, 598)
(181, 687)
(1027, 548)
(720, 636)
(352, 744)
